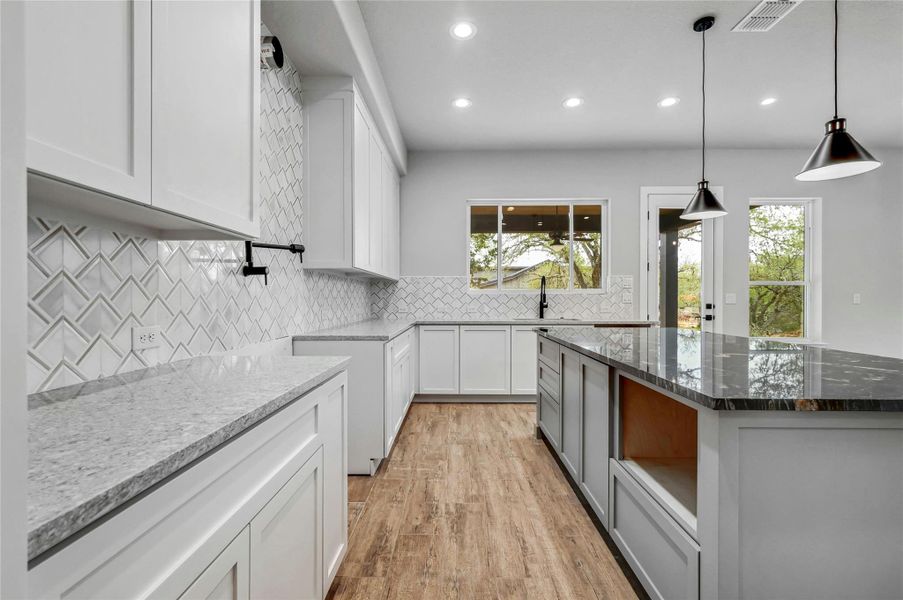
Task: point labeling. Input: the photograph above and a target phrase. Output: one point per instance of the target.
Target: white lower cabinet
(286, 538)
(382, 382)
(227, 577)
(485, 359)
(334, 413)
(399, 383)
(439, 359)
(523, 359)
(262, 516)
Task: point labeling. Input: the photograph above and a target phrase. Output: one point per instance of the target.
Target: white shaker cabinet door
(206, 104)
(287, 538)
(361, 186)
(486, 359)
(88, 87)
(523, 359)
(334, 418)
(377, 208)
(439, 359)
(227, 577)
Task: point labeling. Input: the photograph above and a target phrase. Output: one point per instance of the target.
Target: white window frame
(571, 203)
(812, 277)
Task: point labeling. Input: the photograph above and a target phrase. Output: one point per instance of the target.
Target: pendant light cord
(835, 58)
(703, 105)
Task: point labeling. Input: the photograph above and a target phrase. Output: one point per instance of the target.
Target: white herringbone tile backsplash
(89, 286)
(450, 297)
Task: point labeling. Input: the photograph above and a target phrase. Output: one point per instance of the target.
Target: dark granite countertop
(726, 372)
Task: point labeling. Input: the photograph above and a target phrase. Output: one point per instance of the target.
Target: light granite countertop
(94, 446)
(386, 329)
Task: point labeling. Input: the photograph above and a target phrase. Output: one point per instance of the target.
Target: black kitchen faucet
(543, 304)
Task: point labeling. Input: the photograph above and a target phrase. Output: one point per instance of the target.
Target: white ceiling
(622, 57)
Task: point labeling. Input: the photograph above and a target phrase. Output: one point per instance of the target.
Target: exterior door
(683, 262)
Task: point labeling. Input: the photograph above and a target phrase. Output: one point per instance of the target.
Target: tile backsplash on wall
(89, 286)
(450, 297)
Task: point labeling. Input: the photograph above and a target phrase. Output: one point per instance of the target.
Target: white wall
(861, 234)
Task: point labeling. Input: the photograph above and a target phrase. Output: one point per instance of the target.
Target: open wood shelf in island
(658, 447)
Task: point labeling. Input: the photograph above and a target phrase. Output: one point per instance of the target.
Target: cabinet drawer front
(548, 352)
(548, 380)
(550, 418)
(663, 556)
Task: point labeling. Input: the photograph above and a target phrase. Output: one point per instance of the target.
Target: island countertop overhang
(723, 372)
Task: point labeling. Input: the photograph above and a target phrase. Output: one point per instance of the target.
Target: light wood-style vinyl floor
(471, 505)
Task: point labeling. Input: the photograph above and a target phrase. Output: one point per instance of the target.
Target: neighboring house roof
(509, 274)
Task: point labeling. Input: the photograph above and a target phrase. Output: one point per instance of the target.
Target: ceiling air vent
(765, 15)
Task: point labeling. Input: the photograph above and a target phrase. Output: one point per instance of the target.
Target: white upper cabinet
(152, 102)
(350, 183)
(360, 191)
(206, 106)
(88, 85)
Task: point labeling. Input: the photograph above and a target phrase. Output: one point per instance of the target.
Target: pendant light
(704, 204)
(838, 154)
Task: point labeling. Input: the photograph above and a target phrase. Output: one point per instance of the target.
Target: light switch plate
(144, 338)
(730, 298)
(857, 298)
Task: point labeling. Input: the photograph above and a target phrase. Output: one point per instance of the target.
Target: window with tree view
(512, 246)
(778, 270)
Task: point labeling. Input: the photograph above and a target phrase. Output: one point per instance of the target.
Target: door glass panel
(587, 246)
(535, 244)
(484, 229)
(680, 270)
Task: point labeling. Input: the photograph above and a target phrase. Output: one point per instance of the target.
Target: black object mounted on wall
(249, 269)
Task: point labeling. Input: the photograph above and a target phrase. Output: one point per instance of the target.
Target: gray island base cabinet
(709, 502)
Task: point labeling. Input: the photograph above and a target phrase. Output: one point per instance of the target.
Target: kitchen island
(725, 467)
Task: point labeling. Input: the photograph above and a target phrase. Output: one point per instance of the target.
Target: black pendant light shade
(837, 155)
(704, 204)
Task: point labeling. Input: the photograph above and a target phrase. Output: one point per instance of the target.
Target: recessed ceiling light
(669, 101)
(463, 30)
(462, 103)
(510, 209)
(573, 102)
(586, 218)
(768, 101)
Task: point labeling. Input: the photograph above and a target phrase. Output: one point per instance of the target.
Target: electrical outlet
(144, 338)
(857, 298)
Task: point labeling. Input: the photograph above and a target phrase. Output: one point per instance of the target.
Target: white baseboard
(477, 398)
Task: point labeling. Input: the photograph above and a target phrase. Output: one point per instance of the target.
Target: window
(781, 294)
(513, 245)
